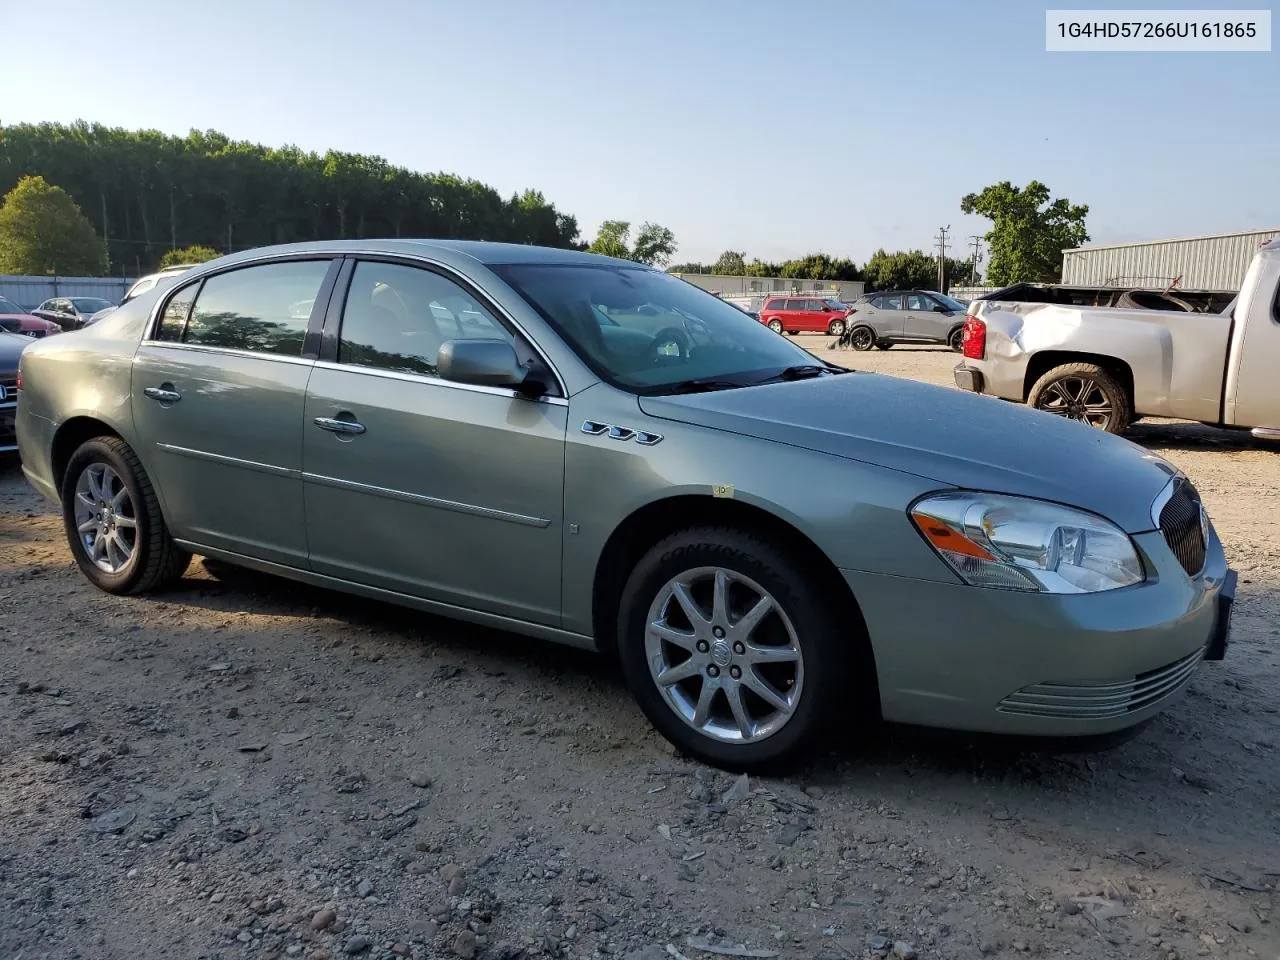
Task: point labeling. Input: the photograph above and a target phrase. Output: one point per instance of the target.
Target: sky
(774, 128)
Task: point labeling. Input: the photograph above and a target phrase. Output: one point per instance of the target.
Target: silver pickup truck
(1107, 367)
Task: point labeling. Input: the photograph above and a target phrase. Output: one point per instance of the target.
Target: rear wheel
(113, 522)
(775, 325)
(1084, 392)
(835, 328)
(730, 650)
(861, 338)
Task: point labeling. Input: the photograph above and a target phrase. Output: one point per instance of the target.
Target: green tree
(1029, 232)
(689, 268)
(192, 254)
(905, 269)
(42, 231)
(730, 264)
(654, 244)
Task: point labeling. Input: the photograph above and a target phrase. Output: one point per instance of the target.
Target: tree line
(146, 193)
(884, 271)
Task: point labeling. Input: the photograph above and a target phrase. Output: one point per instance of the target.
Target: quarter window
(263, 309)
(173, 322)
(396, 317)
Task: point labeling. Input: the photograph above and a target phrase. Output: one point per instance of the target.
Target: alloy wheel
(1077, 398)
(106, 518)
(724, 655)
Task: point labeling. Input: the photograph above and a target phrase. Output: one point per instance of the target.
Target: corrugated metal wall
(729, 286)
(1203, 263)
(30, 292)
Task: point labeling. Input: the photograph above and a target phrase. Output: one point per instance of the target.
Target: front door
(218, 392)
(919, 321)
(1253, 400)
(449, 492)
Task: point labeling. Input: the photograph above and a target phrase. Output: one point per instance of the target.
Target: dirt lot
(249, 768)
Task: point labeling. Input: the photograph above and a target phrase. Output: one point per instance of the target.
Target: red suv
(804, 315)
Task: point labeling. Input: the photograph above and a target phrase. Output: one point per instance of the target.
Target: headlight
(992, 540)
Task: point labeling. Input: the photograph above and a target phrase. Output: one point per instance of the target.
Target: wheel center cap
(721, 653)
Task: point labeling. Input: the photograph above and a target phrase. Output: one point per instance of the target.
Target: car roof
(456, 252)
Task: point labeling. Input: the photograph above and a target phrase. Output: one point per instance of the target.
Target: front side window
(262, 309)
(919, 303)
(955, 306)
(396, 317)
(90, 304)
(662, 334)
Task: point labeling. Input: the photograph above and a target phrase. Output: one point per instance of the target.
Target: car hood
(959, 439)
(11, 347)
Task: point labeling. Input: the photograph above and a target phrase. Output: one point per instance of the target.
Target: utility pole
(942, 257)
(973, 264)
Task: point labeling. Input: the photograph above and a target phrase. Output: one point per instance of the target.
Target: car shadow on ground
(1185, 435)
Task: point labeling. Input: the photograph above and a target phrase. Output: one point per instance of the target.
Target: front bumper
(998, 661)
(968, 378)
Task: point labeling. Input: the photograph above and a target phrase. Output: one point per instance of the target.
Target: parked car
(1105, 366)
(11, 347)
(804, 315)
(70, 313)
(13, 319)
(568, 471)
(141, 286)
(887, 317)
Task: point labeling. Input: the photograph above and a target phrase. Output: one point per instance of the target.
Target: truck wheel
(731, 651)
(1084, 392)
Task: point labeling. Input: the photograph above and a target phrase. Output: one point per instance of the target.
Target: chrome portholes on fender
(596, 428)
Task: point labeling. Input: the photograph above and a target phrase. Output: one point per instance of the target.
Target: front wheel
(862, 338)
(113, 522)
(729, 649)
(835, 328)
(956, 340)
(1084, 392)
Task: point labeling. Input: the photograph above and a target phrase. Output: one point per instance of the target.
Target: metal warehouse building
(1216, 262)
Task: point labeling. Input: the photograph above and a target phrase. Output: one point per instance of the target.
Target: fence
(30, 292)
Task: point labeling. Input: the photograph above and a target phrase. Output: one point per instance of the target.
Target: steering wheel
(660, 347)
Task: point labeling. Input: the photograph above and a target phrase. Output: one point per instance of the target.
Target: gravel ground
(244, 767)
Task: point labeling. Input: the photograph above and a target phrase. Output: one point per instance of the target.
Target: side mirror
(484, 362)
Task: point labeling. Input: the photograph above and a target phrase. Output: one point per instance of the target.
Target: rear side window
(262, 309)
(888, 303)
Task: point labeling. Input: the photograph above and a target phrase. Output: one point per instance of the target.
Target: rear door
(814, 316)
(889, 320)
(218, 394)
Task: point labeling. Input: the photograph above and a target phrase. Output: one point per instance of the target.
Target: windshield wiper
(803, 371)
(704, 385)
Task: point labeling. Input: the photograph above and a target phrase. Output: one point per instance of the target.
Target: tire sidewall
(775, 326)
(835, 328)
(818, 636)
(955, 339)
(862, 338)
(1121, 415)
(91, 452)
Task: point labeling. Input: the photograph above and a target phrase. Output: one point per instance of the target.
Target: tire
(955, 339)
(814, 683)
(1065, 390)
(883, 345)
(775, 325)
(1151, 300)
(862, 338)
(109, 465)
(835, 328)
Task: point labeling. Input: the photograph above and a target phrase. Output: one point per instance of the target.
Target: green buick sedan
(589, 451)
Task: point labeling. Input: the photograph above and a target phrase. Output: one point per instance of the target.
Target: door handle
(339, 426)
(162, 394)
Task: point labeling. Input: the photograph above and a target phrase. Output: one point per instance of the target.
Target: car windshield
(90, 304)
(648, 332)
(8, 306)
(835, 305)
(948, 302)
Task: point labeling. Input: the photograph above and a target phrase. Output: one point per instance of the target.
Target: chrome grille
(1101, 701)
(1181, 524)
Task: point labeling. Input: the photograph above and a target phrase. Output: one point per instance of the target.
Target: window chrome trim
(229, 461)
(227, 351)
(404, 496)
(152, 326)
(439, 382)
